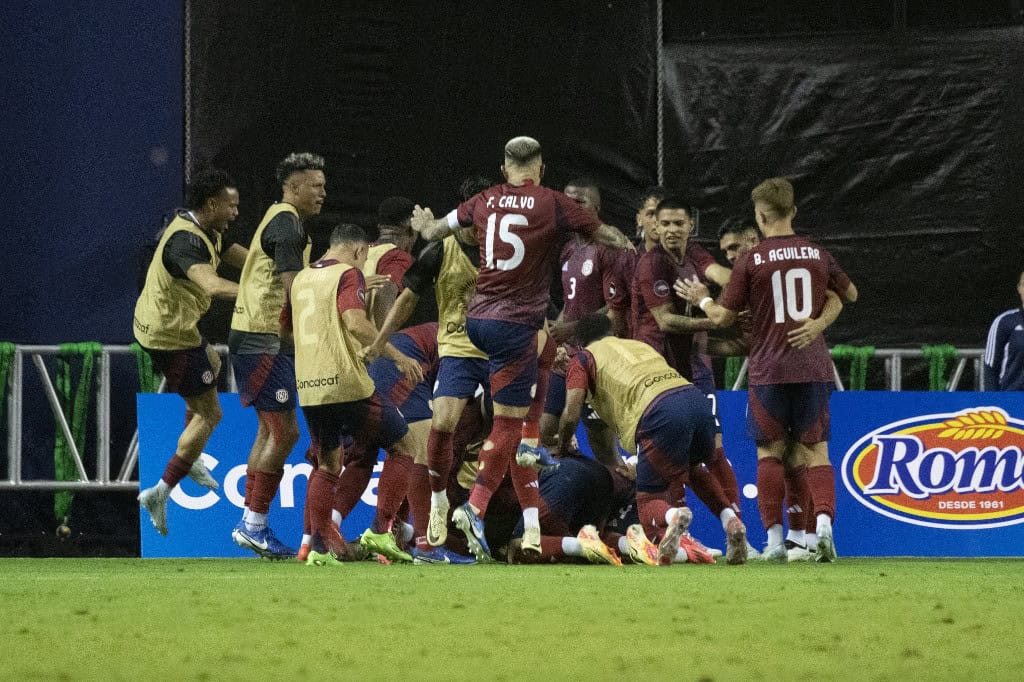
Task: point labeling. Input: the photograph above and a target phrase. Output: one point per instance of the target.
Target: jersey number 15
(507, 236)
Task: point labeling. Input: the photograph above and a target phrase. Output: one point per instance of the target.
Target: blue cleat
(263, 542)
(473, 526)
(535, 457)
(440, 555)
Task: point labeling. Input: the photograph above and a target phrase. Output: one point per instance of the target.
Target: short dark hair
(590, 328)
(584, 181)
(674, 202)
(654, 192)
(735, 226)
(394, 211)
(207, 184)
(473, 185)
(297, 162)
(347, 233)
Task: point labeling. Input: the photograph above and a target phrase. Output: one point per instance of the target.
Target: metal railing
(102, 480)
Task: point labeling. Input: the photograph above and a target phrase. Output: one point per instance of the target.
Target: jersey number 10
(787, 299)
(507, 236)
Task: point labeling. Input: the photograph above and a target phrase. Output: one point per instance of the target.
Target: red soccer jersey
(783, 281)
(395, 263)
(518, 228)
(588, 271)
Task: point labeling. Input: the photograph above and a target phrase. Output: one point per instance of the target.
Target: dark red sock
(494, 461)
(721, 469)
(419, 501)
(394, 483)
(651, 508)
(307, 524)
(771, 489)
(707, 489)
(822, 482)
(531, 424)
(439, 458)
(263, 490)
(527, 487)
(810, 523)
(796, 497)
(551, 548)
(319, 499)
(250, 481)
(177, 469)
(351, 485)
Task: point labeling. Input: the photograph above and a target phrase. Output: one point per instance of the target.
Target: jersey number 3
(787, 299)
(507, 236)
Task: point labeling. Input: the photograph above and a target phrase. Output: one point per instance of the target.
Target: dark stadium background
(901, 123)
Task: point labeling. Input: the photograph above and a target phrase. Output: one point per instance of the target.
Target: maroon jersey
(519, 228)
(588, 272)
(783, 281)
(617, 290)
(652, 287)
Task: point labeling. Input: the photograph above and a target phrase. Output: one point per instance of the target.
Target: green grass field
(248, 619)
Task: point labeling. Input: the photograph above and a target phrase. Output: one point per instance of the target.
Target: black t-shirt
(284, 242)
(182, 251)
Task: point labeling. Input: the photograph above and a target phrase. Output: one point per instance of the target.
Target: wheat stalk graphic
(984, 424)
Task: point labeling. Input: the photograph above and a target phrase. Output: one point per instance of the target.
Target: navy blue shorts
(412, 400)
(676, 431)
(265, 381)
(705, 383)
(555, 401)
(796, 412)
(460, 377)
(188, 372)
(371, 423)
(512, 358)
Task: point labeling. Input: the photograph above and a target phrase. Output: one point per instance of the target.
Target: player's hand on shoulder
(376, 281)
(421, 217)
(561, 361)
(410, 368)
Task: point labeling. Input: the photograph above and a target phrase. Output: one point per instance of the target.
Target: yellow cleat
(531, 542)
(641, 549)
(594, 549)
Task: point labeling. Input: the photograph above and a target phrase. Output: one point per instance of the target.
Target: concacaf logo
(960, 471)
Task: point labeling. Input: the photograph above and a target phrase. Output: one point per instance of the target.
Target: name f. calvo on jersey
(962, 470)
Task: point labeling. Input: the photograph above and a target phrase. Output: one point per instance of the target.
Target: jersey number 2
(507, 236)
(787, 299)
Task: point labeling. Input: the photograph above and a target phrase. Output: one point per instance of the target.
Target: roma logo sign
(960, 471)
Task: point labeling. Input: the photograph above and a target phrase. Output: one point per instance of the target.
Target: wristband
(704, 302)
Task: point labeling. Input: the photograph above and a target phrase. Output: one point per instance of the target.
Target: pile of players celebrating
(477, 401)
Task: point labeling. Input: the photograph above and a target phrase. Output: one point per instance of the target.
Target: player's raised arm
(697, 293)
(430, 228)
(611, 236)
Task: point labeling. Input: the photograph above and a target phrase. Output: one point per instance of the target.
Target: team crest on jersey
(588, 268)
(962, 470)
(281, 396)
(208, 377)
(661, 288)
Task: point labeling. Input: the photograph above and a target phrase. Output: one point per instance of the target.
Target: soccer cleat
(797, 552)
(594, 549)
(383, 544)
(670, 542)
(440, 555)
(714, 552)
(535, 457)
(437, 525)
(752, 552)
(321, 559)
(473, 526)
(531, 542)
(735, 542)
(696, 553)
(826, 544)
(263, 542)
(776, 554)
(641, 549)
(303, 552)
(154, 501)
(201, 475)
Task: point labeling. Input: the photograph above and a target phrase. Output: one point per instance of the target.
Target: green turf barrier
(939, 358)
(858, 357)
(74, 402)
(732, 370)
(148, 382)
(6, 359)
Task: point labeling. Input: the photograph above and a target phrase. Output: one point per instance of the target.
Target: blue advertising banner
(917, 474)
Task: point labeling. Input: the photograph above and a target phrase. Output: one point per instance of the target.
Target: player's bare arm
(427, 226)
(697, 292)
(674, 323)
(359, 325)
(399, 314)
(206, 277)
(574, 399)
(235, 255)
(811, 328)
(727, 348)
(850, 295)
(287, 278)
(611, 236)
(719, 274)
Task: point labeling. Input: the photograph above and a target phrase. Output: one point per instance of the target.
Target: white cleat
(797, 552)
(826, 544)
(154, 501)
(437, 525)
(752, 553)
(776, 554)
(531, 541)
(669, 545)
(201, 475)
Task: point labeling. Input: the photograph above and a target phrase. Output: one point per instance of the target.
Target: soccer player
(1004, 350)
(658, 414)
(180, 282)
(264, 366)
(783, 281)
(517, 223)
(591, 280)
(390, 255)
(325, 314)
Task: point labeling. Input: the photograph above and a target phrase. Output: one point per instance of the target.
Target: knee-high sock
(318, 499)
(439, 458)
(531, 424)
(495, 460)
(351, 485)
(394, 483)
(177, 469)
(419, 501)
(707, 489)
(822, 482)
(771, 489)
(796, 497)
(250, 482)
(651, 508)
(264, 489)
(721, 469)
